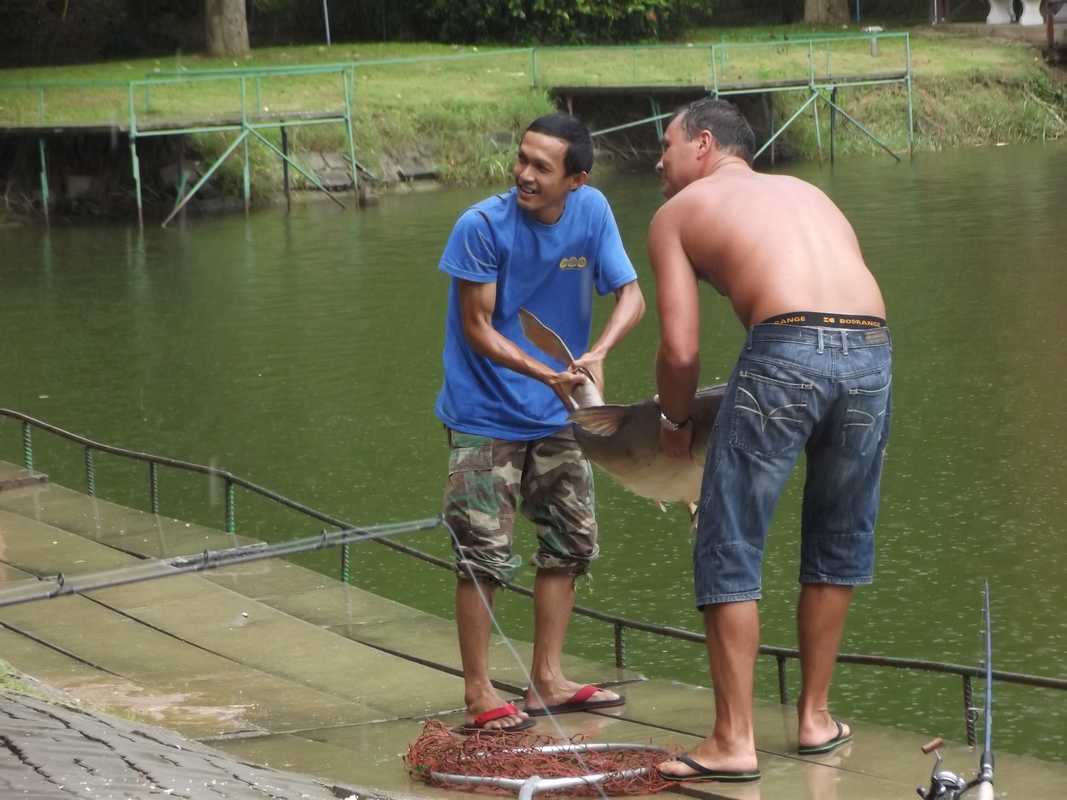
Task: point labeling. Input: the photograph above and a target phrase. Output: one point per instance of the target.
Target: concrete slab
(14, 477)
(276, 643)
(158, 676)
(148, 535)
(37, 548)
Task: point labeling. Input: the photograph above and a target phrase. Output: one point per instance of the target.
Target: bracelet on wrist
(670, 424)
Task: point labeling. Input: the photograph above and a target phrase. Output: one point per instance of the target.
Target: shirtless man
(813, 376)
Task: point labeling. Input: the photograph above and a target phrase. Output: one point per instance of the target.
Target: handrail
(782, 654)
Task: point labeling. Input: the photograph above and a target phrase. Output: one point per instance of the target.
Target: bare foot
(489, 701)
(822, 730)
(712, 757)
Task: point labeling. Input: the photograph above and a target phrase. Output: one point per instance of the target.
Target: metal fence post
(783, 688)
(44, 178)
(346, 564)
(231, 510)
(27, 446)
(620, 647)
(153, 486)
(968, 710)
(90, 473)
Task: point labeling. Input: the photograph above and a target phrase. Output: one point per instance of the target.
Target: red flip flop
(506, 710)
(579, 701)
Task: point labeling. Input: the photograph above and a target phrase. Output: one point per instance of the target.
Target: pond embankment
(451, 114)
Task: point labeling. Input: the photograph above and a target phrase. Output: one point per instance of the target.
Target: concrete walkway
(49, 750)
(273, 664)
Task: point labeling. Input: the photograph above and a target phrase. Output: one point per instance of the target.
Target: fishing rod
(946, 785)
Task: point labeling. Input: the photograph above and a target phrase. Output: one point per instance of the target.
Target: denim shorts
(824, 391)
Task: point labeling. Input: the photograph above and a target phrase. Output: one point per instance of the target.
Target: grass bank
(460, 114)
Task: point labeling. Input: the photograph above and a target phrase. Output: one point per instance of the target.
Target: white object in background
(999, 12)
(1031, 13)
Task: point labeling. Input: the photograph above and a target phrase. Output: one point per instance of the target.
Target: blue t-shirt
(550, 270)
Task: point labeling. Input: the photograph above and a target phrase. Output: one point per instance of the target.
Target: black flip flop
(829, 745)
(702, 774)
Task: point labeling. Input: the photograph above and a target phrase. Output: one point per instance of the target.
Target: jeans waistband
(820, 337)
(822, 319)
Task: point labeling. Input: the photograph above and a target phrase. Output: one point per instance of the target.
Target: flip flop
(506, 710)
(579, 701)
(829, 745)
(704, 774)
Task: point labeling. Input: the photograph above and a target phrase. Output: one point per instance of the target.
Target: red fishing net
(440, 752)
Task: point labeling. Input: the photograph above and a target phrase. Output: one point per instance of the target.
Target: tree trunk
(227, 27)
(824, 11)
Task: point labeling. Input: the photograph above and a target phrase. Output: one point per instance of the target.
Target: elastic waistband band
(818, 319)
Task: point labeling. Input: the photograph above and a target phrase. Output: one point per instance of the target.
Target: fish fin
(544, 337)
(599, 420)
(693, 508)
(662, 506)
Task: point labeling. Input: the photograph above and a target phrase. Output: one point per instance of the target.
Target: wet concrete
(276, 665)
(50, 750)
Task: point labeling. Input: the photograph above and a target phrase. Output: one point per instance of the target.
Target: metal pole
(345, 564)
(818, 132)
(27, 446)
(246, 165)
(326, 16)
(153, 486)
(968, 710)
(44, 179)
(788, 122)
(620, 647)
(135, 163)
(783, 687)
(90, 473)
(204, 179)
(911, 122)
(855, 122)
(659, 120)
(714, 72)
(231, 508)
(40, 104)
(833, 116)
(285, 165)
(350, 88)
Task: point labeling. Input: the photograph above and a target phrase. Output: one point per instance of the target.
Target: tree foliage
(555, 21)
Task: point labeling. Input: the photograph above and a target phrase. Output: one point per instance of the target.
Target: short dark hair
(726, 123)
(579, 155)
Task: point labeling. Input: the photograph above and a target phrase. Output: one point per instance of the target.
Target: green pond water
(302, 351)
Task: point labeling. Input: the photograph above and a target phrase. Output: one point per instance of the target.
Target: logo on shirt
(573, 262)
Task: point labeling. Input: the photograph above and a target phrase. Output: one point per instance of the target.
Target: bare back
(772, 244)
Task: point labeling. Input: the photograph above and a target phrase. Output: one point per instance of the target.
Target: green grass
(968, 91)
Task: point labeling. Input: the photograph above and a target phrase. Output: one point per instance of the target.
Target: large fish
(624, 440)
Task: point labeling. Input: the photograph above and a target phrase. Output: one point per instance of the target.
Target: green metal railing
(723, 69)
(620, 625)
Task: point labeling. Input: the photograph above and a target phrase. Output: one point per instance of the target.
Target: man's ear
(706, 143)
(578, 180)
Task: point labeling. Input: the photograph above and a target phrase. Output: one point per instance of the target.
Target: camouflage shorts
(487, 478)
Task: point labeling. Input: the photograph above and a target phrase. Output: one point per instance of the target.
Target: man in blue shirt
(545, 246)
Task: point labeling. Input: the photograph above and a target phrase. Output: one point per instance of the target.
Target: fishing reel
(944, 785)
(947, 785)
